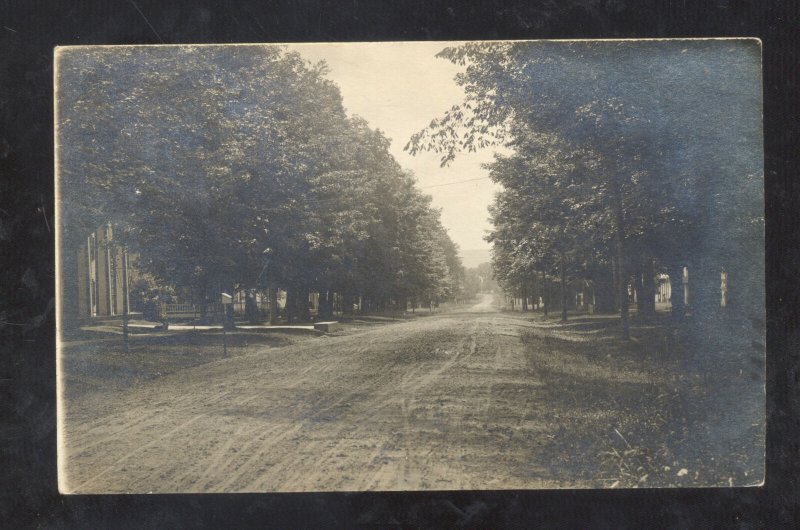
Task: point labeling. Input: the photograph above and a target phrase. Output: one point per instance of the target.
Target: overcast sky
(399, 88)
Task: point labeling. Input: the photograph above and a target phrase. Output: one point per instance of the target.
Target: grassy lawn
(665, 409)
(97, 362)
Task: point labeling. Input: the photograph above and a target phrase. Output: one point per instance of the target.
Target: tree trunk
(619, 237)
(604, 292)
(303, 304)
(322, 302)
(347, 303)
(676, 292)
(524, 296)
(732, 299)
(325, 306)
(289, 310)
(545, 293)
(331, 301)
(615, 279)
(273, 304)
(704, 280)
(251, 307)
(638, 285)
(229, 322)
(563, 268)
(648, 296)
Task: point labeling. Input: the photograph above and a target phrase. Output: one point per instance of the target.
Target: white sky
(399, 88)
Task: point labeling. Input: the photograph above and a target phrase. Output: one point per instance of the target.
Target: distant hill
(475, 256)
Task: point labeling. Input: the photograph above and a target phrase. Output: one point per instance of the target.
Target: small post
(226, 300)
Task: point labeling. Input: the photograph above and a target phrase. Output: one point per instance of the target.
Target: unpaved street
(433, 403)
(447, 401)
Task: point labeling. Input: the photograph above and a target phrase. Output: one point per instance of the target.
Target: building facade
(102, 275)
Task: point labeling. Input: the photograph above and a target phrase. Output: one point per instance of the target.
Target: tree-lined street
(627, 174)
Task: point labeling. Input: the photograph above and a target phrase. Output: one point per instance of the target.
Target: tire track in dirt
(460, 478)
(238, 472)
(415, 465)
(412, 381)
(145, 424)
(286, 465)
(242, 470)
(129, 455)
(382, 394)
(212, 466)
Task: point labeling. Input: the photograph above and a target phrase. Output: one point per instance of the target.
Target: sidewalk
(139, 325)
(144, 325)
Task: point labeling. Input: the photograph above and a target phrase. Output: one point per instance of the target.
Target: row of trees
(231, 168)
(627, 158)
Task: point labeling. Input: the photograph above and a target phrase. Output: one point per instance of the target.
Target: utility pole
(125, 298)
(224, 342)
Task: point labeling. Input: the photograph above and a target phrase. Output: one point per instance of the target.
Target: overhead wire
(451, 183)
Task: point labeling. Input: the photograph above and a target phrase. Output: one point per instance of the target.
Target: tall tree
(237, 168)
(658, 125)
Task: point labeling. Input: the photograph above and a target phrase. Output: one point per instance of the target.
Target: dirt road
(448, 401)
